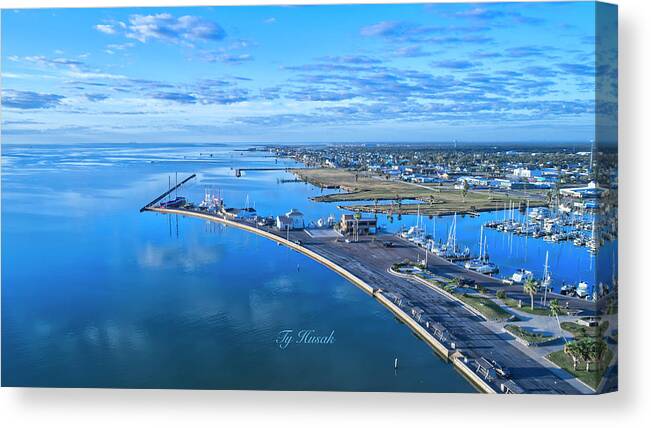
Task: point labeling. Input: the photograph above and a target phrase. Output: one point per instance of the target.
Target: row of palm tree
(589, 350)
(586, 349)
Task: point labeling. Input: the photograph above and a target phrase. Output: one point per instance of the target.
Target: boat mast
(546, 277)
(481, 241)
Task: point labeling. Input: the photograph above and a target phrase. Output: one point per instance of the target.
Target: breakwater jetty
(168, 192)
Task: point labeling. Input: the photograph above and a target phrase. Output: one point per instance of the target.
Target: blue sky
(389, 73)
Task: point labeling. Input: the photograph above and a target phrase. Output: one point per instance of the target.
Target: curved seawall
(448, 355)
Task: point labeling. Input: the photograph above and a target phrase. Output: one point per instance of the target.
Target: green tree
(464, 189)
(584, 349)
(555, 310)
(530, 288)
(572, 349)
(596, 351)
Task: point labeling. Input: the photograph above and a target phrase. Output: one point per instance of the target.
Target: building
(292, 220)
(364, 226)
(526, 172)
(591, 191)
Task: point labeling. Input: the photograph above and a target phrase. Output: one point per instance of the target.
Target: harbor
(367, 256)
(215, 225)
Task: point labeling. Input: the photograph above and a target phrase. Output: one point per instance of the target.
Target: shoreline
(448, 355)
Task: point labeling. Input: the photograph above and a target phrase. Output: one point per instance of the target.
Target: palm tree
(555, 310)
(530, 288)
(596, 351)
(584, 349)
(572, 349)
(464, 189)
(455, 282)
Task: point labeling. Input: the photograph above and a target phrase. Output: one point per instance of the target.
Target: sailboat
(593, 245)
(451, 250)
(481, 263)
(415, 234)
(547, 279)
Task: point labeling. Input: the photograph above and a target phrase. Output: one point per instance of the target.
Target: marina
(401, 198)
(336, 238)
(342, 251)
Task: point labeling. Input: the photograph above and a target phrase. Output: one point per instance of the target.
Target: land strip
(436, 199)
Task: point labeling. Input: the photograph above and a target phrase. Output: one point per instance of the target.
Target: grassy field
(485, 306)
(522, 333)
(526, 307)
(437, 199)
(579, 331)
(592, 378)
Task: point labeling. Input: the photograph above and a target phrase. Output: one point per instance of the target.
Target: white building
(527, 173)
(292, 220)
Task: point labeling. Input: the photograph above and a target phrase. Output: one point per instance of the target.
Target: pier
(162, 196)
(456, 333)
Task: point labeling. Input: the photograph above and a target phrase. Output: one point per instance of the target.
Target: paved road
(370, 261)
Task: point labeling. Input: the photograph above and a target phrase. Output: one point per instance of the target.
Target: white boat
(487, 268)
(592, 246)
(568, 290)
(579, 241)
(582, 289)
(481, 263)
(521, 275)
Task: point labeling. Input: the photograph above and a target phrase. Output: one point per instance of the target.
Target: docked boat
(487, 268)
(568, 290)
(521, 275)
(177, 202)
(593, 246)
(546, 283)
(582, 290)
(481, 263)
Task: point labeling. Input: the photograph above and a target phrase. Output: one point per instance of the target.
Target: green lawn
(481, 304)
(523, 333)
(526, 307)
(580, 331)
(592, 378)
(485, 306)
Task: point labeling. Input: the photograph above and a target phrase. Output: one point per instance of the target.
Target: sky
(353, 73)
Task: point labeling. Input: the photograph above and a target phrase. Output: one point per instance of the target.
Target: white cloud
(105, 28)
(165, 27)
(94, 75)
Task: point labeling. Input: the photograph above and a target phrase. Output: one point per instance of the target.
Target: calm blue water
(95, 294)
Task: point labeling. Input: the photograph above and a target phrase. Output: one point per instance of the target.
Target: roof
(294, 213)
